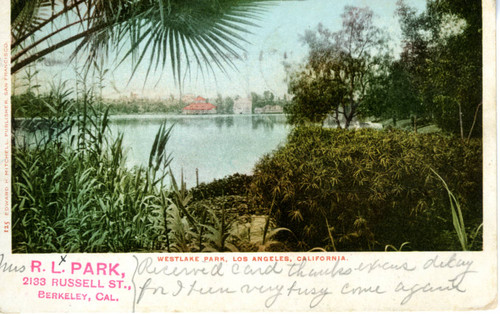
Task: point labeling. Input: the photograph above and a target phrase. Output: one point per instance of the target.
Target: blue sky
(278, 32)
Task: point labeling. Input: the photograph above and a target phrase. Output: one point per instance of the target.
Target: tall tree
(442, 52)
(392, 94)
(339, 68)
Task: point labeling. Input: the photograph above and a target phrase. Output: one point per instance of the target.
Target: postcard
(248, 156)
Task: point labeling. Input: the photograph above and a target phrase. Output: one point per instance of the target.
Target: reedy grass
(457, 218)
(73, 193)
(390, 247)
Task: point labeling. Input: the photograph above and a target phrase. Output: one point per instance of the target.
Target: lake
(217, 145)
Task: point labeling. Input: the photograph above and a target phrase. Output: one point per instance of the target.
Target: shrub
(235, 184)
(365, 189)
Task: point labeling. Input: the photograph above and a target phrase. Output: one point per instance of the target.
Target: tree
(228, 105)
(211, 30)
(442, 53)
(315, 96)
(457, 68)
(260, 101)
(392, 94)
(224, 105)
(219, 103)
(339, 69)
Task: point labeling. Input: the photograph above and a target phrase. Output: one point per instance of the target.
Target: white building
(269, 109)
(242, 106)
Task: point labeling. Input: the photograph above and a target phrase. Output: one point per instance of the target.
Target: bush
(235, 184)
(365, 189)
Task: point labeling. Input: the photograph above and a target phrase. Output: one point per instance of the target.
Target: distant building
(200, 106)
(269, 109)
(242, 106)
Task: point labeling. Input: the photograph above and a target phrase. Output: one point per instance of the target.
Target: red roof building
(200, 106)
(200, 99)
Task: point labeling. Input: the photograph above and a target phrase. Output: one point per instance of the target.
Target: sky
(278, 32)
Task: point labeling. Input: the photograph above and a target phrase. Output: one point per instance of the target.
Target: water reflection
(219, 121)
(267, 121)
(229, 121)
(216, 145)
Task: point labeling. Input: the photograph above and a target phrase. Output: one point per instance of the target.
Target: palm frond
(210, 31)
(26, 16)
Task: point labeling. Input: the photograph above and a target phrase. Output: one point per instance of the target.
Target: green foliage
(158, 31)
(71, 191)
(141, 107)
(340, 67)
(235, 184)
(365, 189)
(442, 57)
(390, 247)
(458, 220)
(392, 95)
(315, 96)
(224, 105)
(266, 99)
(55, 103)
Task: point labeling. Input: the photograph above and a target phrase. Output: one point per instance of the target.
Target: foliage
(442, 57)
(362, 190)
(210, 30)
(29, 105)
(339, 69)
(266, 99)
(224, 105)
(457, 218)
(71, 191)
(392, 95)
(235, 184)
(141, 107)
(315, 96)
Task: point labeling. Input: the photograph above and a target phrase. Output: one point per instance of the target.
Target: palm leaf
(211, 28)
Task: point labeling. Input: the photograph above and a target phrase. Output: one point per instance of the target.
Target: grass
(458, 219)
(72, 192)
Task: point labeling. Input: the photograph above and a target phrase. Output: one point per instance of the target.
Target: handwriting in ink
(369, 267)
(454, 285)
(318, 294)
(296, 279)
(6, 267)
(347, 289)
(275, 292)
(299, 270)
(63, 259)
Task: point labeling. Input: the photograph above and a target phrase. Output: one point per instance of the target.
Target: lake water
(215, 145)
